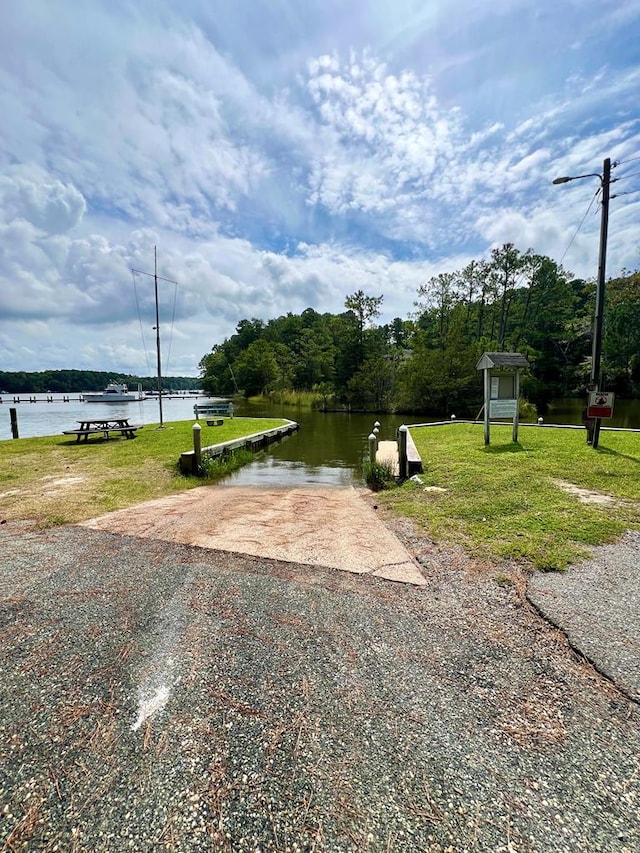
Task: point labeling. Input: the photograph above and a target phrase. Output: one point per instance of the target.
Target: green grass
(378, 475)
(501, 501)
(55, 480)
(215, 467)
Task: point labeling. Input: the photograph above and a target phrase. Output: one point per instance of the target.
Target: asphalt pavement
(160, 695)
(596, 603)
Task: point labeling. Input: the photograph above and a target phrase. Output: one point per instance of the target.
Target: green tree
(257, 369)
(621, 343)
(506, 271)
(364, 309)
(372, 386)
(438, 297)
(218, 376)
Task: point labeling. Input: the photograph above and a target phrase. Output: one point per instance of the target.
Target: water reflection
(626, 413)
(269, 471)
(328, 449)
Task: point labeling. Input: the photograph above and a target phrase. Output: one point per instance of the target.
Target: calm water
(626, 413)
(44, 418)
(328, 449)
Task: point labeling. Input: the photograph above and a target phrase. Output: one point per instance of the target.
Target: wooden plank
(414, 460)
(387, 454)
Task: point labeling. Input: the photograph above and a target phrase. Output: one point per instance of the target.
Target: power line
(628, 192)
(586, 213)
(630, 175)
(154, 275)
(630, 160)
(173, 317)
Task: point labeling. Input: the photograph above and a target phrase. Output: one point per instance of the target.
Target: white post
(373, 448)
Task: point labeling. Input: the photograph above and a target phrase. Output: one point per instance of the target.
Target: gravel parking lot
(159, 696)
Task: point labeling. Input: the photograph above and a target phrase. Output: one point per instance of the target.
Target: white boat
(113, 393)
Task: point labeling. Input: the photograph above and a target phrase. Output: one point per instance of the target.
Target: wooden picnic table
(106, 426)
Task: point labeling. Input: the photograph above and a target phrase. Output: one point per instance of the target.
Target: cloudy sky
(282, 155)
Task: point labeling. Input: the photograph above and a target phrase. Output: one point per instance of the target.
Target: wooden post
(13, 414)
(197, 447)
(516, 394)
(402, 452)
(487, 405)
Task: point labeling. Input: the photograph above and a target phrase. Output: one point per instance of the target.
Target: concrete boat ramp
(329, 526)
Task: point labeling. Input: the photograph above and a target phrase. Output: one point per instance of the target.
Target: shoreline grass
(56, 480)
(505, 501)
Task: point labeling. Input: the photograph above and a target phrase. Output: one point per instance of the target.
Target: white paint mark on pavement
(148, 707)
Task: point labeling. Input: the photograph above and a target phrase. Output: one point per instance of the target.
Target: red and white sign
(600, 404)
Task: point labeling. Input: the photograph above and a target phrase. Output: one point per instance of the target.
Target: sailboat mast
(156, 278)
(155, 281)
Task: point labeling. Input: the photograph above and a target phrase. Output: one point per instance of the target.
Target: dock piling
(13, 414)
(197, 446)
(373, 447)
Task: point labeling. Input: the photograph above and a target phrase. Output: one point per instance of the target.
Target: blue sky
(283, 155)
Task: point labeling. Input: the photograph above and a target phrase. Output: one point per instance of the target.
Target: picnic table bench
(106, 426)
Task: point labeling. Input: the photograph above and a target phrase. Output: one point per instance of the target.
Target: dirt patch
(587, 496)
(55, 485)
(10, 493)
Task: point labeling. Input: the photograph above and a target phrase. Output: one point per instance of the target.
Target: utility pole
(596, 351)
(596, 346)
(157, 278)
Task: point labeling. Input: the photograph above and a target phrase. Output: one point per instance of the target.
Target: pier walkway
(387, 454)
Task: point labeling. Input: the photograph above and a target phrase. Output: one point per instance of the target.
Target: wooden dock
(402, 457)
(387, 454)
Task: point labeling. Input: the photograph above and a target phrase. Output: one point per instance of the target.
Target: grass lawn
(55, 480)
(505, 500)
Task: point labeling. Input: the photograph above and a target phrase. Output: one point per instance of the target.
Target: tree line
(514, 301)
(77, 381)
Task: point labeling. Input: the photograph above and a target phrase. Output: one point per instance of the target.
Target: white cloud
(287, 167)
(28, 193)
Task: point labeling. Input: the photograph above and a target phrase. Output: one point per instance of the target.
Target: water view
(328, 449)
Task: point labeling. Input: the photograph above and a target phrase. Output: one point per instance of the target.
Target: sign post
(600, 404)
(501, 387)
